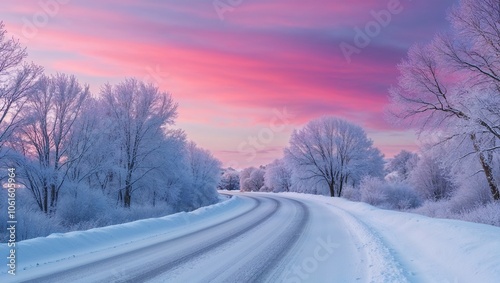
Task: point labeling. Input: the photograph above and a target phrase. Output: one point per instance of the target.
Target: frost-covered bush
(380, 193)
(352, 193)
(483, 213)
(265, 189)
(401, 196)
(472, 201)
(399, 167)
(230, 180)
(278, 177)
(31, 222)
(431, 179)
(372, 191)
(487, 214)
(472, 193)
(439, 209)
(252, 179)
(89, 206)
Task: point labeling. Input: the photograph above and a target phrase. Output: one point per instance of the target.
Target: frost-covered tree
(47, 136)
(230, 180)
(452, 86)
(95, 138)
(402, 164)
(278, 177)
(332, 152)
(204, 171)
(17, 80)
(252, 179)
(431, 178)
(140, 112)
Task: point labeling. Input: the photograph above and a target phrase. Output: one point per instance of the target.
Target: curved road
(263, 237)
(256, 244)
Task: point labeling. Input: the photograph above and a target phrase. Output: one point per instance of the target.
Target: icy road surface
(258, 237)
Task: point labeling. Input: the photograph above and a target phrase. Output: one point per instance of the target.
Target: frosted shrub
(278, 177)
(472, 193)
(252, 179)
(377, 192)
(372, 191)
(265, 189)
(402, 196)
(488, 214)
(89, 206)
(351, 193)
(431, 179)
(32, 223)
(439, 209)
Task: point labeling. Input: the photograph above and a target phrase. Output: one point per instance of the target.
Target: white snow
(342, 242)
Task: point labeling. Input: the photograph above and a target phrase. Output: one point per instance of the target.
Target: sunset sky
(244, 74)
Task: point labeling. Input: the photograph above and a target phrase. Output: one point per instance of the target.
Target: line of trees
(66, 142)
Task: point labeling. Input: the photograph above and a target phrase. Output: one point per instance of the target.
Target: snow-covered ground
(258, 237)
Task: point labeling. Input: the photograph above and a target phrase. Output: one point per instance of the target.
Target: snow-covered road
(258, 237)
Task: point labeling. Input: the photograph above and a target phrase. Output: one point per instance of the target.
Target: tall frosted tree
(333, 152)
(451, 87)
(17, 80)
(140, 112)
(46, 139)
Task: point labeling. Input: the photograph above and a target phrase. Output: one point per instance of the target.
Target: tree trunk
(488, 171)
(332, 191)
(127, 195)
(53, 198)
(489, 176)
(45, 198)
(120, 197)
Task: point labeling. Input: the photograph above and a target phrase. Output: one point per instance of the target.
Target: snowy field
(261, 237)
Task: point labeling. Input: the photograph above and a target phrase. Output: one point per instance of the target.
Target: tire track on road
(164, 268)
(274, 252)
(113, 261)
